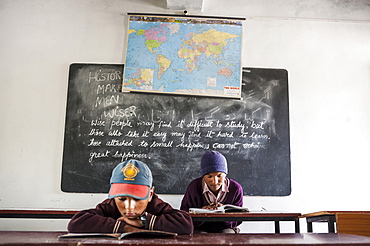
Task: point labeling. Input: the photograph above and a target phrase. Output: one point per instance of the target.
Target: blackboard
(105, 126)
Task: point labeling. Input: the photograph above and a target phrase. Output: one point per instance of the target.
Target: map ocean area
(184, 56)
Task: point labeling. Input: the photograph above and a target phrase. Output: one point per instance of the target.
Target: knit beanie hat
(213, 161)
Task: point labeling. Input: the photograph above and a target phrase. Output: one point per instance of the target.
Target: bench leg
(296, 224)
(277, 226)
(309, 226)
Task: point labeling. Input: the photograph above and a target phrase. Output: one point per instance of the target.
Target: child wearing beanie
(131, 206)
(211, 190)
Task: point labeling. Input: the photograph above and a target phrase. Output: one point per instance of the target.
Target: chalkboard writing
(105, 126)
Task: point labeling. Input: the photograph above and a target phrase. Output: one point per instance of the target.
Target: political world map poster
(184, 55)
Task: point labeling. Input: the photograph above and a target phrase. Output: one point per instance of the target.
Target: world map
(183, 55)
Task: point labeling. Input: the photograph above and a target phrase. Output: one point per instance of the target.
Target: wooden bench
(351, 222)
(37, 214)
(276, 217)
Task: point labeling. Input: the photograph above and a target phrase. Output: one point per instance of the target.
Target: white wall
(324, 45)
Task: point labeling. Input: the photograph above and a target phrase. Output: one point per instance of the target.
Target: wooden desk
(208, 239)
(37, 214)
(353, 223)
(331, 217)
(251, 216)
(276, 217)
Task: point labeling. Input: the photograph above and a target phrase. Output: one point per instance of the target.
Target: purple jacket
(194, 198)
(103, 219)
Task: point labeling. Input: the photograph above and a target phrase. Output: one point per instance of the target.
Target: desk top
(247, 215)
(214, 239)
(321, 213)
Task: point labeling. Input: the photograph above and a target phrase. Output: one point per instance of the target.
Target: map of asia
(183, 55)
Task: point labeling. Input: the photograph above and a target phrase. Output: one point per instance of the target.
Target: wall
(324, 45)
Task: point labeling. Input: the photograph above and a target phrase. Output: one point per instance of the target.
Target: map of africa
(183, 55)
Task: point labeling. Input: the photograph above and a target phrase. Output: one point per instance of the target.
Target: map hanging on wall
(184, 55)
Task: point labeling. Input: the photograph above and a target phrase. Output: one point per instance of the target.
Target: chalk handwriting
(129, 155)
(259, 136)
(191, 146)
(115, 133)
(210, 134)
(225, 146)
(155, 144)
(100, 76)
(162, 135)
(143, 144)
(233, 124)
(108, 88)
(94, 143)
(119, 143)
(181, 135)
(127, 127)
(252, 146)
(97, 122)
(146, 123)
(96, 132)
(132, 134)
(164, 124)
(120, 123)
(257, 125)
(197, 124)
(106, 101)
(97, 155)
(225, 134)
(120, 112)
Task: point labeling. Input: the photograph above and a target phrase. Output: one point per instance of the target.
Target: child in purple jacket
(131, 206)
(211, 190)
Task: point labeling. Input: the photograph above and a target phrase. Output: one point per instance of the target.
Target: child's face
(130, 207)
(214, 180)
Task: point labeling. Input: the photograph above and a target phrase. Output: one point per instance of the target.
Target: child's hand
(213, 205)
(217, 204)
(132, 222)
(129, 228)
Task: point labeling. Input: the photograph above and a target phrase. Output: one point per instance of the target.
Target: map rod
(191, 16)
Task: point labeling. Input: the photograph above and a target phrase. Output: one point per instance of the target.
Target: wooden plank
(11, 238)
(39, 214)
(320, 213)
(353, 223)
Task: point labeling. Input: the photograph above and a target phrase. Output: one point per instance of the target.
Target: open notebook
(228, 208)
(138, 234)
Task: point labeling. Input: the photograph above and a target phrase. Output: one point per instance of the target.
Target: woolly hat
(131, 178)
(213, 161)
